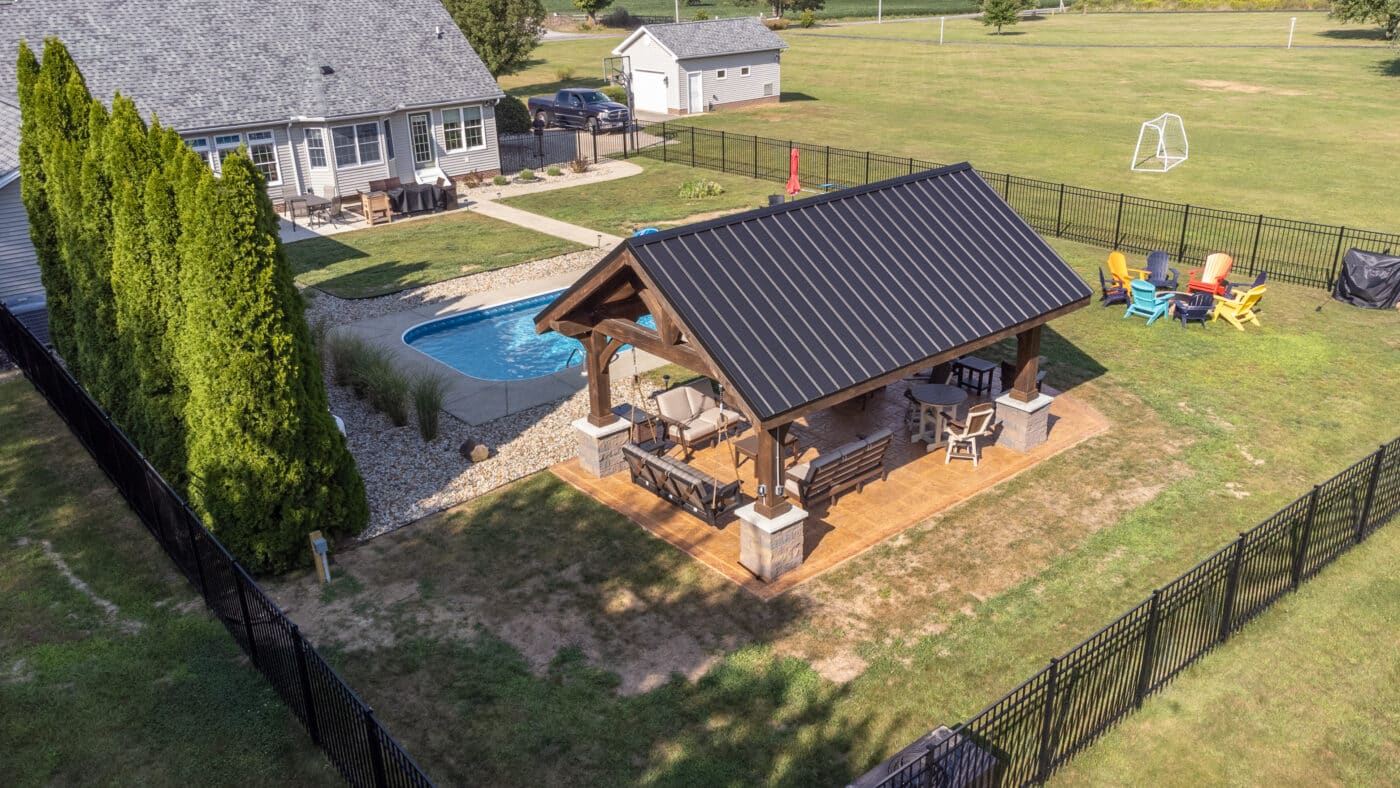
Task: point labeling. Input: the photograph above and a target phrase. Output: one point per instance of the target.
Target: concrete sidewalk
(544, 224)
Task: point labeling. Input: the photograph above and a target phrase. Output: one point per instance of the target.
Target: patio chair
(1197, 306)
(1258, 280)
(1208, 278)
(1239, 309)
(1159, 272)
(962, 436)
(1119, 270)
(692, 414)
(1115, 293)
(384, 184)
(1147, 302)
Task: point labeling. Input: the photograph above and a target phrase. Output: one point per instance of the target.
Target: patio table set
(1152, 292)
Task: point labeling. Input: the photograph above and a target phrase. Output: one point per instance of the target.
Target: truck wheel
(593, 125)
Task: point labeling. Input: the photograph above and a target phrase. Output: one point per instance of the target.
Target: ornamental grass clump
(528, 175)
(384, 386)
(427, 403)
(554, 172)
(346, 354)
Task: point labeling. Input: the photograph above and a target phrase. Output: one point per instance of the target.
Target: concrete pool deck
(473, 400)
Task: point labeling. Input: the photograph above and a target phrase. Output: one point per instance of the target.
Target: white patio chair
(962, 437)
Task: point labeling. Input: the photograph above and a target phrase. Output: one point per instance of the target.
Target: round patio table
(936, 399)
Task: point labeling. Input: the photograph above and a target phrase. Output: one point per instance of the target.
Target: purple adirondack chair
(1114, 293)
(1230, 287)
(1159, 272)
(1196, 307)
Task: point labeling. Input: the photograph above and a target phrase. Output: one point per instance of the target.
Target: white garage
(649, 91)
(694, 67)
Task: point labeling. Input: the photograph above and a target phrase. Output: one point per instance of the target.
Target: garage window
(744, 72)
(720, 74)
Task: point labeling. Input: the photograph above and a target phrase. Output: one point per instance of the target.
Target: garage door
(649, 91)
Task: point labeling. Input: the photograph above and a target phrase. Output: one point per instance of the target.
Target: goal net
(1161, 144)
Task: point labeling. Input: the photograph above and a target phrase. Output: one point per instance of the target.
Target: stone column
(771, 546)
(1024, 425)
(600, 447)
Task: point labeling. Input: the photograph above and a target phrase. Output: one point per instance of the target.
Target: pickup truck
(579, 108)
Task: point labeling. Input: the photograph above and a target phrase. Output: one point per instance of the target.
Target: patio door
(697, 93)
(420, 135)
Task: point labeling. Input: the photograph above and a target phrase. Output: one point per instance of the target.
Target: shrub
(701, 16)
(807, 19)
(512, 116)
(347, 354)
(553, 172)
(564, 73)
(528, 175)
(427, 403)
(615, 92)
(386, 387)
(579, 165)
(777, 23)
(470, 180)
(618, 17)
(500, 180)
(701, 188)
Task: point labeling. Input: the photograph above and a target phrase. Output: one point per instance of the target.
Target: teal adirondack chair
(1147, 302)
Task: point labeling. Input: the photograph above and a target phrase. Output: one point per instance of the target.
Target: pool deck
(469, 399)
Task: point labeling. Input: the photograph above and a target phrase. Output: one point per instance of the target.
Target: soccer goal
(1161, 144)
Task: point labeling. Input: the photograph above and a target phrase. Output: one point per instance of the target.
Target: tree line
(170, 299)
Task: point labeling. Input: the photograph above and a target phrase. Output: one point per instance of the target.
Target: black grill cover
(1369, 279)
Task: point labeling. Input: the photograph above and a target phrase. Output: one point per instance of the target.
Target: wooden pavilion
(795, 308)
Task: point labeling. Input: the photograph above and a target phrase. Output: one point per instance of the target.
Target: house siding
(764, 69)
(19, 269)
(646, 55)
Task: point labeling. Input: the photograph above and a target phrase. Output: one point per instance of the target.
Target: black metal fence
(563, 146)
(1025, 736)
(337, 721)
(1288, 250)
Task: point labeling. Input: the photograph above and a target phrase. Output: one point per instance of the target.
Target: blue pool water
(499, 342)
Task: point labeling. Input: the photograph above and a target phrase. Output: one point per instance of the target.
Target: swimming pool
(499, 342)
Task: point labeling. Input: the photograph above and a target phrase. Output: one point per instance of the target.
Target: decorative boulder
(474, 451)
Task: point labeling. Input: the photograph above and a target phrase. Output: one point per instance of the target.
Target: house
(327, 95)
(692, 67)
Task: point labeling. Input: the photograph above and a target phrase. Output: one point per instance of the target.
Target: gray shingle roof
(9, 138)
(716, 37)
(199, 64)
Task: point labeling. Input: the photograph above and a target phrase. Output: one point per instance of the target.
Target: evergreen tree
(90, 262)
(267, 464)
(42, 231)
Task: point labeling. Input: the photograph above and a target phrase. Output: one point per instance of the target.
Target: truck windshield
(593, 97)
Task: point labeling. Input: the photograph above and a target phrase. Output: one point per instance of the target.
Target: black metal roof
(803, 300)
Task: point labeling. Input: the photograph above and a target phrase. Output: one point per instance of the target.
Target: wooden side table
(748, 447)
(978, 370)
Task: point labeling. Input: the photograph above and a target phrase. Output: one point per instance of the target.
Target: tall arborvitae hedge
(171, 300)
(266, 462)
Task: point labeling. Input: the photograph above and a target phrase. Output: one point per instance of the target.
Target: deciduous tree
(1001, 13)
(592, 7)
(1385, 13)
(781, 7)
(503, 32)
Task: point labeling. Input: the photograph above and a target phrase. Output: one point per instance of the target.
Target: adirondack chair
(1114, 293)
(1119, 270)
(1159, 272)
(1147, 302)
(1230, 288)
(1210, 277)
(1197, 306)
(1240, 309)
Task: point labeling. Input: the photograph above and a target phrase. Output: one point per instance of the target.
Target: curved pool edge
(418, 327)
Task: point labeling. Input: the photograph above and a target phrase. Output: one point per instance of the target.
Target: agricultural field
(1288, 133)
(835, 9)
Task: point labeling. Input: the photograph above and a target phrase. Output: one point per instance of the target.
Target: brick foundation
(1024, 425)
(771, 548)
(600, 448)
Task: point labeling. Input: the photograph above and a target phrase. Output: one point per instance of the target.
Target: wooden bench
(694, 491)
(836, 471)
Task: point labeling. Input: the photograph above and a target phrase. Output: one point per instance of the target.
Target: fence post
(1006, 190)
(1181, 248)
(595, 147)
(665, 142)
(828, 165)
(1370, 495)
(1254, 253)
(692, 146)
(1303, 539)
(1060, 210)
(1336, 257)
(1232, 586)
(304, 677)
(194, 548)
(1149, 649)
(1047, 722)
(376, 752)
(1118, 223)
(911, 165)
(867, 168)
(247, 619)
(723, 155)
(755, 155)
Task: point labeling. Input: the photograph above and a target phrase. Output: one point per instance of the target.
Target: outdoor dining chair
(1147, 302)
(962, 436)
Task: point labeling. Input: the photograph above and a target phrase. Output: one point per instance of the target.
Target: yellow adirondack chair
(1118, 269)
(1240, 309)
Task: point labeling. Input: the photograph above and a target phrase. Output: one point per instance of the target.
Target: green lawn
(1298, 134)
(148, 691)
(1337, 639)
(381, 260)
(834, 9)
(650, 199)
(492, 638)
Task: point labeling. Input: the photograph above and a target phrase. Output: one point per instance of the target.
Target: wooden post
(599, 384)
(768, 468)
(1027, 365)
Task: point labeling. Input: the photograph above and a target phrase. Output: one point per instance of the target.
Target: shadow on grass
(1389, 68)
(373, 281)
(1354, 34)
(790, 96)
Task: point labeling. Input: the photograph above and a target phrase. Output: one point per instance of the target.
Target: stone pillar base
(1024, 425)
(772, 547)
(600, 448)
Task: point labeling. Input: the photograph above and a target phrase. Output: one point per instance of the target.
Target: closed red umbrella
(793, 185)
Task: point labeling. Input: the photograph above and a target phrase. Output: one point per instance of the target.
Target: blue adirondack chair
(1196, 307)
(1230, 287)
(645, 231)
(1159, 273)
(1147, 302)
(1114, 293)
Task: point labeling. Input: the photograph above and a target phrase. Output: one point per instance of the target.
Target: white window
(226, 144)
(316, 149)
(744, 71)
(720, 74)
(462, 129)
(355, 145)
(199, 145)
(262, 149)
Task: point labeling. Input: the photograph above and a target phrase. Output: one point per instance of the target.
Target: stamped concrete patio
(919, 486)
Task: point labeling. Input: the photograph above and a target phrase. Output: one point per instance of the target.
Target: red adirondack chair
(1210, 278)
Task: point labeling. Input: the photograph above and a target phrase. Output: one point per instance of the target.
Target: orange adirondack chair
(1210, 278)
(1119, 270)
(1240, 309)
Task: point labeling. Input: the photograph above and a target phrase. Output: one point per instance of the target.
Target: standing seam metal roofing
(801, 301)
